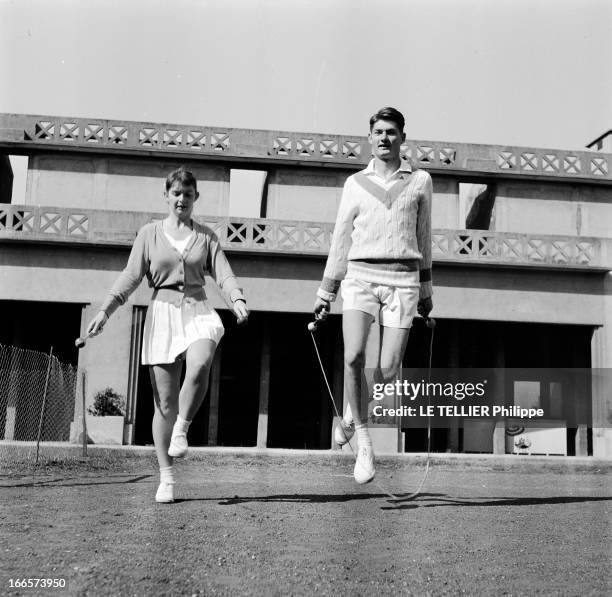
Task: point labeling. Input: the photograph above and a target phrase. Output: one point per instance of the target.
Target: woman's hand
(241, 311)
(96, 325)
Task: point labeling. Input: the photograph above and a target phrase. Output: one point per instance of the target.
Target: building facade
(522, 246)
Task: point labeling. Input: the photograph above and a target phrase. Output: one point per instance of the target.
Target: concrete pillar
(32, 181)
(213, 393)
(499, 433)
(581, 445)
(601, 362)
(581, 392)
(601, 387)
(134, 367)
(264, 389)
(100, 184)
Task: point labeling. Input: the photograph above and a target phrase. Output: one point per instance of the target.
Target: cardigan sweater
(173, 275)
(383, 229)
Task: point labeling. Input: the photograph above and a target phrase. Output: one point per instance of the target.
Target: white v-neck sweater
(381, 232)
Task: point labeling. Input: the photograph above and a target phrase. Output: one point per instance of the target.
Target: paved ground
(296, 524)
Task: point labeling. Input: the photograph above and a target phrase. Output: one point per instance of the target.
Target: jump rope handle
(81, 341)
(313, 325)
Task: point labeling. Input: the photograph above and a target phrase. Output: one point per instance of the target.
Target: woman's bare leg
(199, 360)
(165, 380)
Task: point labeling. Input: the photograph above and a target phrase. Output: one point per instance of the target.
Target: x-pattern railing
(172, 138)
(508, 248)
(302, 146)
(94, 133)
(196, 140)
(529, 161)
(30, 223)
(69, 131)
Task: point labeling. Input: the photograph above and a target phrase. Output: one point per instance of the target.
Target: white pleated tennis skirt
(170, 329)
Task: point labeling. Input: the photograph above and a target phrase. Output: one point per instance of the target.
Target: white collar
(403, 167)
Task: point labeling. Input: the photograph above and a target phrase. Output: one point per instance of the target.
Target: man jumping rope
(380, 258)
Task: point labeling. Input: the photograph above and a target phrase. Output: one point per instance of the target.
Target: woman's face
(181, 198)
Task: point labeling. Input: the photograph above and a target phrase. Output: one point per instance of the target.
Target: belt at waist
(176, 297)
(388, 265)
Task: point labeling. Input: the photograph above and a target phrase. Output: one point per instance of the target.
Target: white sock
(166, 475)
(363, 435)
(181, 425)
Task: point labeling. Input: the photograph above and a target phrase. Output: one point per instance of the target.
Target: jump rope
(431, 324)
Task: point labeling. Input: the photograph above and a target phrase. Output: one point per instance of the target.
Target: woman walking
(174, 255)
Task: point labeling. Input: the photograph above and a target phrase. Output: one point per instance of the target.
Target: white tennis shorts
(391, 306)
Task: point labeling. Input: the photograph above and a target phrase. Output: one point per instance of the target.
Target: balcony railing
(260, 145)
(98, 227)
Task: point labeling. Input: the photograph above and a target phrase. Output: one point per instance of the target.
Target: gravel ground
(296, 524)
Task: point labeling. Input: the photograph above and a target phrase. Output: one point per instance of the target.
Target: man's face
(386, 140)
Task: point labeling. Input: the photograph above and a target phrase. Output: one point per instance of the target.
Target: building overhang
(31, 134)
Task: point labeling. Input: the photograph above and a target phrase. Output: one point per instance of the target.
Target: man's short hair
(391, 114)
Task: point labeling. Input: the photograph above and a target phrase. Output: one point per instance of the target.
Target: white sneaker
(165, 493)
(344, 432)
(364, 465)
(178, 445)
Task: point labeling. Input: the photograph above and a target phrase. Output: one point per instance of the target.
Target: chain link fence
(38, 394)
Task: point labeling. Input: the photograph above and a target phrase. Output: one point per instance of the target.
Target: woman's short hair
(183, 176)
(390, 114)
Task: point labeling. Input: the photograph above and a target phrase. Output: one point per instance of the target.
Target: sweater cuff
(425, 275)
(229, 286)
(330, 297)
(426, 289)
(237, 295)
(110, 305)
(330, 286)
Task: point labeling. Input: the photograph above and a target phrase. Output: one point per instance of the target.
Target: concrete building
(522, 247)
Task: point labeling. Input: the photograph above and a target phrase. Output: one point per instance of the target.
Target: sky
(506, 72)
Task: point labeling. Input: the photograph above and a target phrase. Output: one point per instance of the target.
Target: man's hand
(425, 307)
(321, 309)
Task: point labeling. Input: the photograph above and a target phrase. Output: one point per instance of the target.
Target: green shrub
(107, 403)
